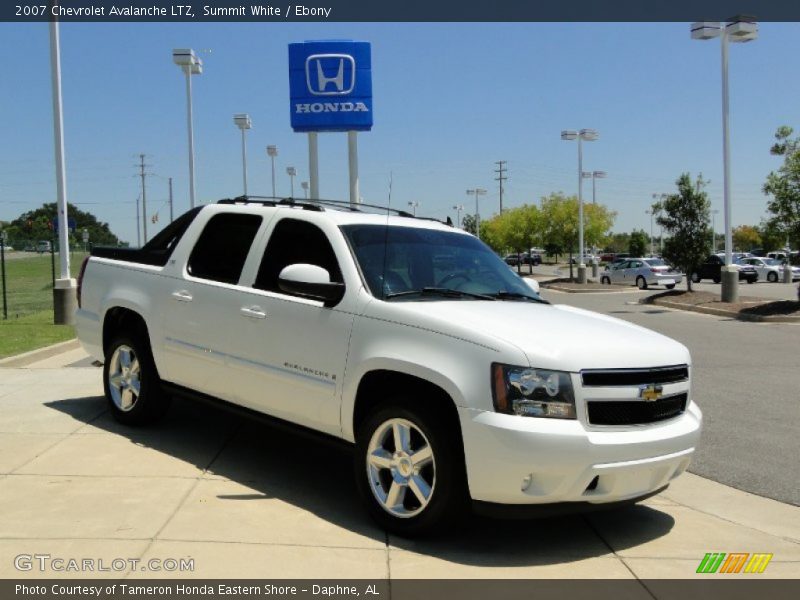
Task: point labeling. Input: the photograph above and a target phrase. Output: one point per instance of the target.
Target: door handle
(253, 312)
(182, 296)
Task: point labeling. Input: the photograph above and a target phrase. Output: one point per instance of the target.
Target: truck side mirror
(310, 281)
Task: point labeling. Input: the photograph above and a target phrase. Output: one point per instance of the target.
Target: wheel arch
(372, 388)
(120, 318)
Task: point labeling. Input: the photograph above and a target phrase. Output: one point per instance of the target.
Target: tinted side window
(292, 242)
(222, 248)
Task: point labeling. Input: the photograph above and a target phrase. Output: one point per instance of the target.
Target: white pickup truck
(457, 384)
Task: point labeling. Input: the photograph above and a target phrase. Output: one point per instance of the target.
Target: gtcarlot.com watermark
(46, 563)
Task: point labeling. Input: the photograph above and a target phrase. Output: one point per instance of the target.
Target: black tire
(717, 279)
(772, 277)
(670, 286)
(696, 277)
(605, 281)
(150, 403)
(445, 474)
(641, 283)
(751, 279)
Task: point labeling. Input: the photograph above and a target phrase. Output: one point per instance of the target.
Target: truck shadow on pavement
(244, 464)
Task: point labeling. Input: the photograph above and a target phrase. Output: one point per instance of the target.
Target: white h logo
(318, 82)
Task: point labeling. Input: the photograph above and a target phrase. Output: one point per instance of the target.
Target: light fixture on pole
(304, 185)
(291, 172)
(458, 208)
(272, 152)
(587, 135)
(477, 192)
(595, 176)
(190, 64)
(737, 29)
(243, 122)
(414, 206)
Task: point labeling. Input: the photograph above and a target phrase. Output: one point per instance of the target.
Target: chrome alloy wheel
(123, 378)
(401, 468)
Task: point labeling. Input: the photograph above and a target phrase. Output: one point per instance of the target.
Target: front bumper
(533, 461)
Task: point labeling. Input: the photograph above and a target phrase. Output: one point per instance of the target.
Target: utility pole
(501, 170)
(142, 174)
(170, 200)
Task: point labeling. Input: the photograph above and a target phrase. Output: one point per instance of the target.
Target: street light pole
(588, 135)
(414, 206)
(291, 172)
(272, 152)
(304, 185)
(243, 122)
(458, 208)
(739, 29)
(713, 233)
(64, 288)
(190, 64)
(477, 192)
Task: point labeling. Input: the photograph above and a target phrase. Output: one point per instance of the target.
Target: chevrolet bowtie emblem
(650, 393)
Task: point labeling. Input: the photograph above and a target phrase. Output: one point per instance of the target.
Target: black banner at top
(189, 11)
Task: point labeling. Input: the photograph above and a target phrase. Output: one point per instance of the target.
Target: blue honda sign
(330, 86)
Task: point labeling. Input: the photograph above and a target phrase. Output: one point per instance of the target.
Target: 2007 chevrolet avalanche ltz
(454, 380)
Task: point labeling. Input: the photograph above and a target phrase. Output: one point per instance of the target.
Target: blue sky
(449, 100)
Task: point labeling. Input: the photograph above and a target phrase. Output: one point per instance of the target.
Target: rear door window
(222, 247)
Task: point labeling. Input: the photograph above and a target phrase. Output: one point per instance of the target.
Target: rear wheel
(131, 382)
(409, 468)
(772, 277)
(670, 286)
(605, 280)
(695, 277)
(641, 283)
(717, 279)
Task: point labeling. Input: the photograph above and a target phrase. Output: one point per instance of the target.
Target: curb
(719, 312)
(558, 288)
(27, 358)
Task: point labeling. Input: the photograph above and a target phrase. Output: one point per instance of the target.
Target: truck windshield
(410, 263)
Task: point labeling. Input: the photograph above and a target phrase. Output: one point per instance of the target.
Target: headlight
(530, 392)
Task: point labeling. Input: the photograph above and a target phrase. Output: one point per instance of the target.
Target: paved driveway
(243, 500)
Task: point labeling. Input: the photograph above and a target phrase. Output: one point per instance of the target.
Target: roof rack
(316, 205)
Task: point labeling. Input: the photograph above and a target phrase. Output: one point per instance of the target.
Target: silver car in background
(642, 272)
(769, 269)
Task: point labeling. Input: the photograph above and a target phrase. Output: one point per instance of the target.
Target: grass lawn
(30, 332)
(30, 304)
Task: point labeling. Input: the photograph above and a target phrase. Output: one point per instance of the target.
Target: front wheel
(670, 286)
(641, 283)
(772, 277)
(409, 468)
(695, 277)
(605, 280)
(131, 383)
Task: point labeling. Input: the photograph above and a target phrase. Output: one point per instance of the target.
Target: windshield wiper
(437, 291)
(518, 296)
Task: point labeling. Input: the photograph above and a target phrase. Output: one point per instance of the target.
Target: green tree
(746, 237)
(37, 225)
(638, 243)
(686, 218)
(772, 237)
(559, 223)
(468, 224)
(784, 185)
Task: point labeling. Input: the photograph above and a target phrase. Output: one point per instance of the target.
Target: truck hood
(551, 336)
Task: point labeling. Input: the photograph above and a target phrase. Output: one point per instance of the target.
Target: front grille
(635, 412)
(627, 377)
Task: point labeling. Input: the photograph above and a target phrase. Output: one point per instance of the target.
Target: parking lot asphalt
(244, 500)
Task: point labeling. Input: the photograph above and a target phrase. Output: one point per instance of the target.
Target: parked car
(769, 269)
(411, 341)
(642, 272)
(44, 246)
(524, 258)
(607, 257)
(587, 259)
(711, 268)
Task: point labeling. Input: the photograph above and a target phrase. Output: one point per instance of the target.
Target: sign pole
(352, 156)
(313, 164)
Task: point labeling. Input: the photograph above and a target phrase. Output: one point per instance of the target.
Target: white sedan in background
(642, 272)
(769, 269)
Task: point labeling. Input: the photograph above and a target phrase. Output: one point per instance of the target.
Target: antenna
(390, 186)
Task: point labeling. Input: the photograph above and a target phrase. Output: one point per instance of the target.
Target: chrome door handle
(253, 312)
(182, 296)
